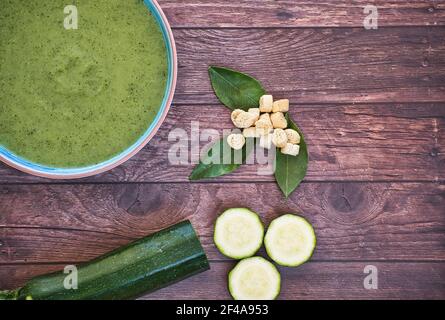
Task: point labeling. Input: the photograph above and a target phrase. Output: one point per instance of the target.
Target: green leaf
(234, 89)
(290, 170)
(221, 159)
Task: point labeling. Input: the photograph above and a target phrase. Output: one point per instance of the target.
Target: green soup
(73, 98)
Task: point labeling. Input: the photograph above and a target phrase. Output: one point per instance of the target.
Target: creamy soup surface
(77, 97)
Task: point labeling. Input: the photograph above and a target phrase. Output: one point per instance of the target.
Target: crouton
(235, 114)
(292, 136)
(266, 117)
(264, 125)
(266, 141)
(252, 132)
(255, 112)
(279, 138)
(266, 103)
(281, 106)
(278, 120)
(242, 119)
(263, 131)
(291, 149)
(236, 141)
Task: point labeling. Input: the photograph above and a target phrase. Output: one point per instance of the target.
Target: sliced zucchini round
(254, 279)
(239, 233)
(290, 240)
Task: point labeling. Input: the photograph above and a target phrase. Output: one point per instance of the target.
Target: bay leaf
(234, 89)
(221, 159)
(291, 170)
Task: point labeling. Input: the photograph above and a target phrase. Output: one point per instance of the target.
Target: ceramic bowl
(74, 173)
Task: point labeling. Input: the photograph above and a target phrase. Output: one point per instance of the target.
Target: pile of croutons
(267, 123)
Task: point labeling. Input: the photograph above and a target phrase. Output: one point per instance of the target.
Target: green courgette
(128, 272)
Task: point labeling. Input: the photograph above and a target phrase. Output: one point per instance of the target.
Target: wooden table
(372, 106)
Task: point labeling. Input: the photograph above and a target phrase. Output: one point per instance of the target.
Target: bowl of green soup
(84, 87)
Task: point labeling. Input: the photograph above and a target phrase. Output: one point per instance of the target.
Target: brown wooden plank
(325, 281)
(319, 65)
(313, 280)
(350, 142)
(334, 95)
(297, 13)
(353, 221)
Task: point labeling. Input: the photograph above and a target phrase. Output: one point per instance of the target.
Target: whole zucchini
(140, 267)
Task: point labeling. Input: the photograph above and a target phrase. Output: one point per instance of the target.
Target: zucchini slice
(290, 240)
(239, 233)
(254, 279)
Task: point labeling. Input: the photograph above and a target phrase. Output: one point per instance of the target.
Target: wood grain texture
(313, 280)
(349, 142)
(317, 280)
(297, 13)
(353, 221)
(372, 106)
(323, 65)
